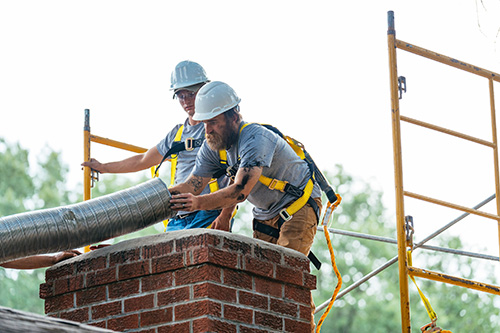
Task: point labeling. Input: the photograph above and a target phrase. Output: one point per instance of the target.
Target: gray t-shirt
(186, 159)
(261, 147)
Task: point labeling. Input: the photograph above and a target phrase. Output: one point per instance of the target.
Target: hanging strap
(173, 160)
(177, 147)
(427, 304)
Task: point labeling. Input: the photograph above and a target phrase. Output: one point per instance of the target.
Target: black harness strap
(275, 233)
(179, 146)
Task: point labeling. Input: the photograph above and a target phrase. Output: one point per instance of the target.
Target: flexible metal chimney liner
(85, 223)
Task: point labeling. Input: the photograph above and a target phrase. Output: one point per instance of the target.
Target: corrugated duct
(85, 223)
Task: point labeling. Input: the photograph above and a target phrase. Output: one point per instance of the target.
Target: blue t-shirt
(258, 146)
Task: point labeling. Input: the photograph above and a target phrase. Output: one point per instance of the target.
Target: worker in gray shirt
(180, 147)
(265, 170)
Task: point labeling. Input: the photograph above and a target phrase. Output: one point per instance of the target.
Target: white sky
(318, 70)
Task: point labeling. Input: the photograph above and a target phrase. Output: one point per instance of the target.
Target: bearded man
(265, 169)
(267, 172)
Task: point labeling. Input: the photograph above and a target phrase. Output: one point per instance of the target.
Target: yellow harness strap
(173, 160)
(426, 302)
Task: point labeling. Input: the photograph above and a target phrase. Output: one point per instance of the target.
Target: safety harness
(177, 146)
(303, 195)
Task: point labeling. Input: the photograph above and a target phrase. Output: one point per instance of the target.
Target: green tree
(20, 192)
(16, 185)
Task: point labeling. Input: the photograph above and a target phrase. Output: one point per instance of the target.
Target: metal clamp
(431, 327)
(94, 177)
(285, 215)
(409, 231)
(401, 86)
(189, 144)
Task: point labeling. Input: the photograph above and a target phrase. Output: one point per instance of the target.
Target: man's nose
(208, 129)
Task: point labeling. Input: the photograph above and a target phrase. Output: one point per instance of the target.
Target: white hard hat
(213, 99)
(187, 73)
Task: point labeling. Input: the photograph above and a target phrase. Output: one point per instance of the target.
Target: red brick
(297, 326)
(46, 290)
(300, 295)
(300, 263)
(268, 320)
(155, 317)
(123, 288)
(106, 310)
(101, 324)
(253, 300)
(132, 270)
(268, 287)
(172, 296)
(124, 257)
(59, 272)
(121, 324)
(187, 243)
(267, 254)
(175, 328)
(196, 274)
(100, 277)
(236, 246)
(79, 315)
(239, 279)
(167, 263)
(197, 309)
(89, 264)
(305, 312)
(139, 303)
(158, 250)
(240, 314)
(91, 295)
(245, 329)
(309, 281)
(58, 303)
(213, 325)
(157, 281)
(63, 286)
(214, 291)
(289, 275)
(284, 307)
(214, 256)
(259, 267)
(145, 330)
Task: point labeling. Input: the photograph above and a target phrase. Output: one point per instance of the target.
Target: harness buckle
(274, 182)
(189, 144)
(230, 173)
(285, 215)
(293, 190)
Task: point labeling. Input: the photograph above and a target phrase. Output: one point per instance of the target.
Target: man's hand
(185, 202)
(94, 165)
(65, 255)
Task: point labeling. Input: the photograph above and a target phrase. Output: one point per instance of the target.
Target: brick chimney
(196, 280)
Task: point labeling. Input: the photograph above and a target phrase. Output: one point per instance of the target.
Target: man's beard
(225, 140)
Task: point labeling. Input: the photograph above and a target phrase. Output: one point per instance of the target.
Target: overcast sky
(318, 70)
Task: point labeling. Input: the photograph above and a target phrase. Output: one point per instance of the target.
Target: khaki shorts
(297, 233)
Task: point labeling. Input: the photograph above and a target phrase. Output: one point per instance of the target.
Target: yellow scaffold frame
(404, 268)
(87, 139)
